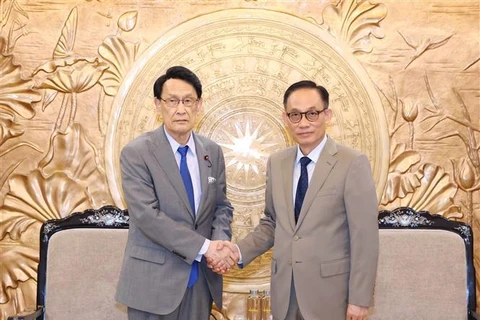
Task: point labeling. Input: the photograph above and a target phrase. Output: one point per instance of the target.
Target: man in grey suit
(174, 185)
(320, 218)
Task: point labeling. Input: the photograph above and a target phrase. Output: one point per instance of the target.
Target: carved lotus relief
(468, 180)
(67, 72)
(120, 55)
(426, 188)
(68, 179)
(17, 284)
(34, 198)
(72, 153)
(72, 74)
(22, 264)
(16, 92)
(400, 182)
(354, 21)
(464, 175)
(31, 200)
(16, 98)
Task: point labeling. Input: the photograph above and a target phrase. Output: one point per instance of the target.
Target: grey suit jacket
(332, 250)
(165, 237)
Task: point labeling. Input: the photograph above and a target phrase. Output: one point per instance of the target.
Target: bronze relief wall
(76, 80)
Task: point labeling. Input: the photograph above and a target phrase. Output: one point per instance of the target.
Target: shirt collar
(314, 154)
(174, 144)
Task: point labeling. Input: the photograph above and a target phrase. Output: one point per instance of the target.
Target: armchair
(425, 268)
(80, 260)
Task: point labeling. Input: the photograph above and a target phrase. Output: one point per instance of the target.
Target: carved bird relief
(423, 44)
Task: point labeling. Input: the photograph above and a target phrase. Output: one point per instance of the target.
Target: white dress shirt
(192, 163)
(313, 155)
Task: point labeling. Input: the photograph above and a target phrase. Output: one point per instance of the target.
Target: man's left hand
(356, 312)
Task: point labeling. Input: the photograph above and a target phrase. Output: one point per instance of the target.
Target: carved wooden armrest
(28, 315)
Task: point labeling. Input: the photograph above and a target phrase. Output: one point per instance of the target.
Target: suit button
(289, 262)
(296, 238)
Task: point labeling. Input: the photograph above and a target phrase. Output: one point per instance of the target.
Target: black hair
(307, 84)
(181, 73)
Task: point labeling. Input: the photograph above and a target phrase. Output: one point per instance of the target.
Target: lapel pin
(207, 158)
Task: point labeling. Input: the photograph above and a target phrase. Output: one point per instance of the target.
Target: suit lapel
(287, 172)
(162, 152)
(205, 169)
(324, 166)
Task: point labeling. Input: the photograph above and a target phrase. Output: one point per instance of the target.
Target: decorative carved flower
(354, 21)
(431, 190)
(20, 264)
(464, 174)
(400, 181)
(127, 21)
(34, 199)
(119, 55)
(16, 94)
(71, 74)
(72, 153)
(409, 110)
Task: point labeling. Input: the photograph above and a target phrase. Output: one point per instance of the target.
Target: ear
(328, 115)
(158, 105)
(200, 105)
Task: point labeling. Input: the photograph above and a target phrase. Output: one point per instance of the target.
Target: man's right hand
(222, 256)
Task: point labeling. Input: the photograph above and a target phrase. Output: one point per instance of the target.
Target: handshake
(222, 256)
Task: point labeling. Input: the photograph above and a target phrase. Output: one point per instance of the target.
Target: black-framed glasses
(311, 115)
(173, 102)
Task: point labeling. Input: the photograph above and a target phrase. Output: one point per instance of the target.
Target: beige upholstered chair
(425, 268)
(80, 261)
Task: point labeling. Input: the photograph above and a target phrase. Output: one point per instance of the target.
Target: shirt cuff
(240, 260)
(203, 250)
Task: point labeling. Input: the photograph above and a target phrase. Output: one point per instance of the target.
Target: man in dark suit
(174, 185)
(320, 218)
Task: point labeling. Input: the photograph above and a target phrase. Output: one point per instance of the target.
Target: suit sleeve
(143, 208)
(262, 238)
(362, 212)
(222, 218)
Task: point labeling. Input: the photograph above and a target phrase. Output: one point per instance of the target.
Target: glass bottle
(253, 306)
(266, 310)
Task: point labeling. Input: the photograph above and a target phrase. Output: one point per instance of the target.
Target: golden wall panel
(76, 76)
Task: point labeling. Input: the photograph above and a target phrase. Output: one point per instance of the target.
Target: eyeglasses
(173, 103)
(311, 115)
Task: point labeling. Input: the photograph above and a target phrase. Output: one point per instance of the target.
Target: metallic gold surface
(76, 79)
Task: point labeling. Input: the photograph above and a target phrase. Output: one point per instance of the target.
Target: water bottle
(266, 310)
(253, 306)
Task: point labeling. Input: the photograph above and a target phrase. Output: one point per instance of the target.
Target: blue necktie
(302, 186)
(187, 181)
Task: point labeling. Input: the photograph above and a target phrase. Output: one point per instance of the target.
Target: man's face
(179, 120)
(308, 134)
